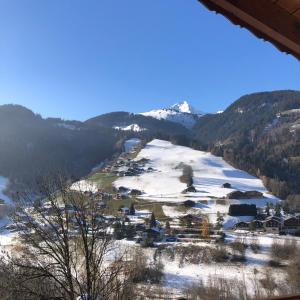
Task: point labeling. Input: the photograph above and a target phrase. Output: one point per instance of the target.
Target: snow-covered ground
(132, 127)
(3, 184)
(6, 237)
(210, 172)
(84, 186)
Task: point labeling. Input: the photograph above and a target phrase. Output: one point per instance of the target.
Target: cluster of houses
(128, 167)
(273, 224)
(266, 222)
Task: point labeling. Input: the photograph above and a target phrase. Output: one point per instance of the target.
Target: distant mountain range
(259, 133)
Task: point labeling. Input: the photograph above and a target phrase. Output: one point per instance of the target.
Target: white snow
(181, 113)
(84, 186)
(210, 172)
(130, 144)
(3, 184)
(132, 127)
(185, 107)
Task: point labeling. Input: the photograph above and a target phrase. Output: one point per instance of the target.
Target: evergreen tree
(118, 231)
(152, 221)
(220, 220)
(130, 231)
(277, 209)
(168, 227)
(268, 209)
(252, 226)
(132, 209)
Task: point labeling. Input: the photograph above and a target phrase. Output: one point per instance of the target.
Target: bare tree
(64, 239)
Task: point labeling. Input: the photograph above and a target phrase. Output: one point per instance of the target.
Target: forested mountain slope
(123, 119)
(31, 146)
(259, 133)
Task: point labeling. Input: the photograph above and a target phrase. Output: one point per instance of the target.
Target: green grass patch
(156, 208)
(114, 205)
(103, 180)
(221, 202)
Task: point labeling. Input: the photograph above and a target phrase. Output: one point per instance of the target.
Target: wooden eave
(277, 21)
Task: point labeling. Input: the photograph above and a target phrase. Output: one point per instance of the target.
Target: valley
(174, 187)
(239, 256)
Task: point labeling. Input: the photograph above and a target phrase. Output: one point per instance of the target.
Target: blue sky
(77, 59)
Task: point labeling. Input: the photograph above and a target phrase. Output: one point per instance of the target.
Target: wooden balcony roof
(277, 21)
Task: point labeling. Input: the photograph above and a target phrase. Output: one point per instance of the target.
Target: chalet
(190, 220)
(125, 210)
(242, 210)
(123, 189)
(253, 194)
(258, 224)
(135, 192)
(272, 224)
(291, 224)
(235, 195)
(190, 189)
(244, 195)
(242, 225)
(189, 203)
(226, 185)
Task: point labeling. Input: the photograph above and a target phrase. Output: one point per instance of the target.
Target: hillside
(31, 146)
(259, 133)
(209, 174)
(127, 121)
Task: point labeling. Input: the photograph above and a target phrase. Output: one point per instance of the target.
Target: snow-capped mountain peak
(182, 113)
(185, 107)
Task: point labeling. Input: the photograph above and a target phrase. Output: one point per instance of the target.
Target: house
(291, 224)
(190, 189)
(242, 225)
(135, 192)
(189, 203)
(226, 185)
(123, 189)
(253, 194)
(242, 210)
(190, 220)
(125, 210)
(272, 224)
(244, 195)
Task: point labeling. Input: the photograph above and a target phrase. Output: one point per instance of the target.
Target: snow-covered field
(178, 277)
(3, 184)
(6, 237)
(210, 172)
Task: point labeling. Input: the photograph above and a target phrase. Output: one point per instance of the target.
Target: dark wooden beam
(265, 19)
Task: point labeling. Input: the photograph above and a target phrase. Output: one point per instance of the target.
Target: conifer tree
(152, 221)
